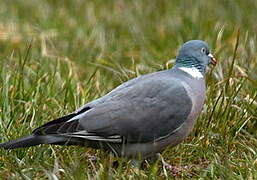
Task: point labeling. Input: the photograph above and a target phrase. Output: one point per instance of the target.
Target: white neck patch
(192, 71)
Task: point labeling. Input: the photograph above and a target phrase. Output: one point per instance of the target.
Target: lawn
(57, 55)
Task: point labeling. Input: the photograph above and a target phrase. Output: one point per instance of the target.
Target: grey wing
(138, 112)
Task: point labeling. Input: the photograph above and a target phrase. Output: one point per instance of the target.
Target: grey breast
(195, 89)
(147, 110)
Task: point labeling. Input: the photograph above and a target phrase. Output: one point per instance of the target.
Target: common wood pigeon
(142, 116)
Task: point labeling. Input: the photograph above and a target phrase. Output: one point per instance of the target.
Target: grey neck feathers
(189, 62)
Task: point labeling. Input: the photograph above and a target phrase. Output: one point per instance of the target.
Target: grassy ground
(57, 55)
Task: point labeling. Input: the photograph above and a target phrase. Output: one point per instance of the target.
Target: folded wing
(138, 112)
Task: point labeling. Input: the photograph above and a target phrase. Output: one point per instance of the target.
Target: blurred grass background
(57, 55)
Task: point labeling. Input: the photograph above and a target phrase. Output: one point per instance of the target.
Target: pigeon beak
(213, 60)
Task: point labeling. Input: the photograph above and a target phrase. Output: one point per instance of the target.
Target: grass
(57, 55)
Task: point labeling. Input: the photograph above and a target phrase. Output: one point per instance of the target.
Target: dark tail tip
(22, 142)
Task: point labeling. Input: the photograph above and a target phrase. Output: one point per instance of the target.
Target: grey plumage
(142, 116)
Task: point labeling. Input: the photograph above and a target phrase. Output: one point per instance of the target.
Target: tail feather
(33, 140)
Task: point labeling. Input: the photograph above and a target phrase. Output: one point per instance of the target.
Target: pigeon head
(195, 53)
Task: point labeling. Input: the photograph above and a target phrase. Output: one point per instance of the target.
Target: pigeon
(141, 117)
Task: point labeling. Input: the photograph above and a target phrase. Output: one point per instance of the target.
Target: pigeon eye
(203, 50)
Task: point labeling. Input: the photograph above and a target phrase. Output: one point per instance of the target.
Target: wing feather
(144, 111)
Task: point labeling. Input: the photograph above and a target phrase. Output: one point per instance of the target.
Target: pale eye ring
(203, 50)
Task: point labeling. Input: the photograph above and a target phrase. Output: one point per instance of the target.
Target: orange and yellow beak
(213, 60)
